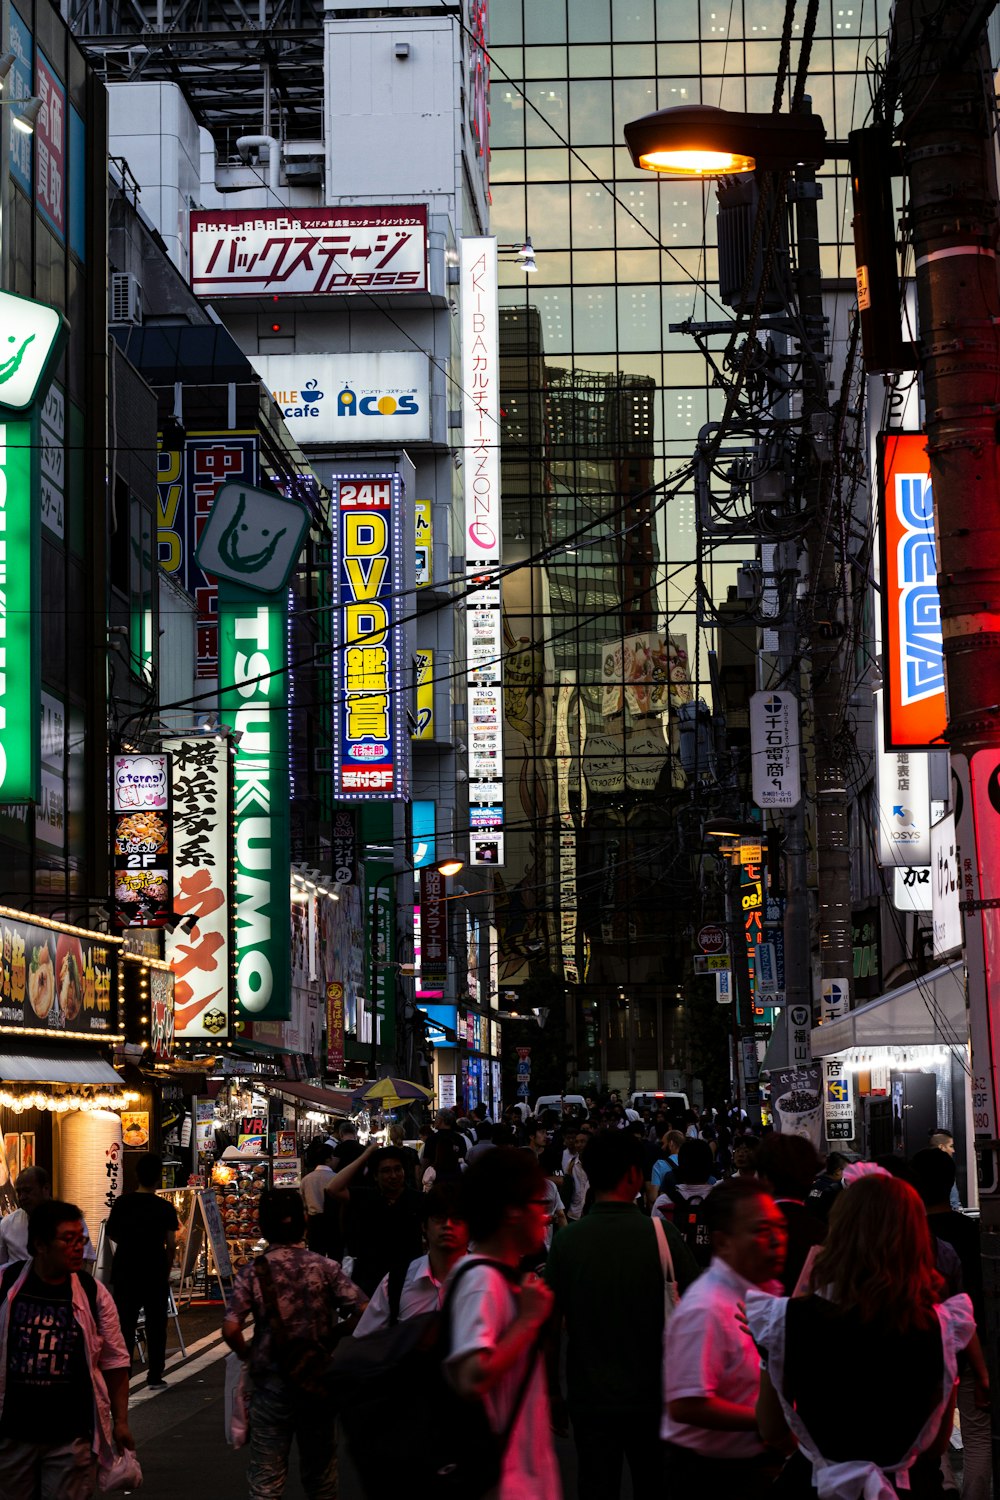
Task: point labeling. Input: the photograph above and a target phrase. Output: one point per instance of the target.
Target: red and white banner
(306, 252)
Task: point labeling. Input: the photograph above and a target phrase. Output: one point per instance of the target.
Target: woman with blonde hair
(873, 1324)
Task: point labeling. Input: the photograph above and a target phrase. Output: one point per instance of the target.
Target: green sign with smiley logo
(252, 537)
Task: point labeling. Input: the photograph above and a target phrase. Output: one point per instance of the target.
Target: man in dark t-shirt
(143, 1228)
(383, 1222)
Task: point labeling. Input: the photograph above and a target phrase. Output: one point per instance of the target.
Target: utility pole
(946, 91)
(826, 625)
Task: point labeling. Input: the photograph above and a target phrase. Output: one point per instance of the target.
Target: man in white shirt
(422, 1287)
(32, 1187)
(496, 1318)
(711, 1369)
(318, 1156)
(573, 1169)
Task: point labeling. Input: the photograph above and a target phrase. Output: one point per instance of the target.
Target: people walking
(143, 1229)
(419, 1288)
(292, 1295)
(496, 1319)
(383, 1223)
(63, 1366)
(32, 1187)
(787, 1165)
(607, 1275)
(873, 1318)
(319, 1172)
(934, 1177)
(711, 1369)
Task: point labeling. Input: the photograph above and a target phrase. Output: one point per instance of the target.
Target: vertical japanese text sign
(200, 954)
(370, 738)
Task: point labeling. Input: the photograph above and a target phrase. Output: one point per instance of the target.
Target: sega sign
(350, 398)
(371, 742)
(915, 711)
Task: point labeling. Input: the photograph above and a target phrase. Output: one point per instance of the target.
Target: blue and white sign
(18, 85)
(422, 828)
(350, 398)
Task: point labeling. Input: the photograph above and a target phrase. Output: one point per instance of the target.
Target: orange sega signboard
(913, 655)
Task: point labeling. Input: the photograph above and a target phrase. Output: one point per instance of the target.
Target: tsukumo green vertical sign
(253, 695)
(20, 619)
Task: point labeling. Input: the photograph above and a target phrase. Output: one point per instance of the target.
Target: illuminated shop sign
(252, 537)
(188, 481)
(31, 341)
(200, 954)
(253, 692)
(140, 852)
(370, 742)
(911, 606)
(57, 980)
(484, 618)
(20, 729)
(238, 252)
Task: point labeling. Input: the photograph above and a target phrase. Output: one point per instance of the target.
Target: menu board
(56, 981)
(141, 824)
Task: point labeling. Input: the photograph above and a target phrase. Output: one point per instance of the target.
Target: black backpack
(13, 1271)
(688, 1218)
(450, 1447)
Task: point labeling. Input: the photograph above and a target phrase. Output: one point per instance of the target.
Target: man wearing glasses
(63, 1366)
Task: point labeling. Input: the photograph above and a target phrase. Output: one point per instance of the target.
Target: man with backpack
(683, 1198)
(419, 1288)
(63, 1366)
(496, 1319)
(608, 1275)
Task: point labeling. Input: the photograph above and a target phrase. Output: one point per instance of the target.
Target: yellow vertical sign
(425, 695)
(424, 527)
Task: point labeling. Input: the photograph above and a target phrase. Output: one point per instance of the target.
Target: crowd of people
(721, 1312)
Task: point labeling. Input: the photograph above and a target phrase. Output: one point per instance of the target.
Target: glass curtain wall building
(603, 404)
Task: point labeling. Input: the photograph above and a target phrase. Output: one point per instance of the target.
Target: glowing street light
(697, 140)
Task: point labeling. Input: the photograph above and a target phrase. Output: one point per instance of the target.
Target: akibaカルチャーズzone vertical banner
(253, 696)
(20, 617)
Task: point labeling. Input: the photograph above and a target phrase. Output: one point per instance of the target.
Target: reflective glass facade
(603, 400)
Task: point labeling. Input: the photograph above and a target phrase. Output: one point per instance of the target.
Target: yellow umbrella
(393, 1093)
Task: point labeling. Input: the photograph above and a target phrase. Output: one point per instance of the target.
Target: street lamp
(697, 140)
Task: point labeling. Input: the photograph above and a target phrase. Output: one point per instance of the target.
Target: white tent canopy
(929, 1011)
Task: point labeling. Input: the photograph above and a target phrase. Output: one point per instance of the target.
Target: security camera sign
(252, 537)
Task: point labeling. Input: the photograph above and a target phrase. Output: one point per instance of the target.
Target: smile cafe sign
(251, 542)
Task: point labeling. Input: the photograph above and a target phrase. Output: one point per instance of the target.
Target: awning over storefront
(67, 1065)
(334, 1101)
(929, 1011)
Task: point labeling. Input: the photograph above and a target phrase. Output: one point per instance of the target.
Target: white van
(674, 1103)
(557, 1101)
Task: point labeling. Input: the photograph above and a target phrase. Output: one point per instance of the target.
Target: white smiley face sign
(31, 340)
(252, 537)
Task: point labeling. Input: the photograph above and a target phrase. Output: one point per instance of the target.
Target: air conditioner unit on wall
(126, 298)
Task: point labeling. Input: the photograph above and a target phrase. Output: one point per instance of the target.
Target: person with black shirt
(787, 1165)
(143, 1229)
(63, 1366)
(384, 1222)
